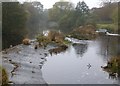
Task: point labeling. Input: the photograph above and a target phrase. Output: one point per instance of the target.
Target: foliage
(13, 24)
(35, 17)
(107, 15)
(52, 37)
(104, 13)
(84, 32)
(82, 12)
(67, 16)
(62, 14)
(66, 42)
(110, 27)
(59, 9)
(3, 76)
(113, 66)
(43, 40)
(26, 41)
(55, 36)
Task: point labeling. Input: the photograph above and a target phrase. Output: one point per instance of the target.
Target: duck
(89, 65)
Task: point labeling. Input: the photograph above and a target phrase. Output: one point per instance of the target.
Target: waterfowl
(89, 65)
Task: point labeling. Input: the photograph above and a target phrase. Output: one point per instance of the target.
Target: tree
(60, 9)
(35, 18)
(82, 13)
(62, 14)
(103, 14)
(13, 23)
(108, 2)
(82, 8)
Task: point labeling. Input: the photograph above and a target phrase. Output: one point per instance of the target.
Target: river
(81, 63)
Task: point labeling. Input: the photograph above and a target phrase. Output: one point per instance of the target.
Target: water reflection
(80, 49)
(65, 68)
(108, 47)
(57, 50)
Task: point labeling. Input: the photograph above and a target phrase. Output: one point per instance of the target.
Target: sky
(49, 3)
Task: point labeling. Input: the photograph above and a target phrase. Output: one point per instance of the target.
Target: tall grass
(3, 76)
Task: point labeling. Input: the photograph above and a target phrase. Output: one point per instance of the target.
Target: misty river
(81, 63)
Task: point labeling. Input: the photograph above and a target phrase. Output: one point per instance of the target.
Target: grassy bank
(113, 66)
(110, 27)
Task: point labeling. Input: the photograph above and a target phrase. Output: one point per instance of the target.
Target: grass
(53, 37)
(66, 42)
(116, 64)
(3, 76)
(115, 67)
(110, 27)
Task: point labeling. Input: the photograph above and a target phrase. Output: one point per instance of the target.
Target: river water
(81, 63)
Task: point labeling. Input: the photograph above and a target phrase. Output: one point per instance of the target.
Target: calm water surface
(81, 63)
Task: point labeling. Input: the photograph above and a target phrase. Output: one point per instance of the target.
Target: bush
(110, 27)
(26, 41)
(43, 40)
(3, 76)
(52, 37)
(113, 66)
(55, 36)
(84, 32)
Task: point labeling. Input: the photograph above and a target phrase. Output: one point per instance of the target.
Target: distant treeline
(30, 18)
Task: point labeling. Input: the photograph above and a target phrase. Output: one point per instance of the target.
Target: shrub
(26, 41)
(55, 36)
(43, 40)
(84, 32)
(113, 66)
(3, 76)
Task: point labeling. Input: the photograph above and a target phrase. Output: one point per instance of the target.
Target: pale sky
(49, 3)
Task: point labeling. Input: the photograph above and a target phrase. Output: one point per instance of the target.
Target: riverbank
(23, 63)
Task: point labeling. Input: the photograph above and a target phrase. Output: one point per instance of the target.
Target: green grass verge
(109, 27)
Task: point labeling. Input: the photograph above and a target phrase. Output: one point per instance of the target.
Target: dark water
(81, 63)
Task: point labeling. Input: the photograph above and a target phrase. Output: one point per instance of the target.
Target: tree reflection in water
(110, 50)
(108, 47)
(59, 49)
(80, 49)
